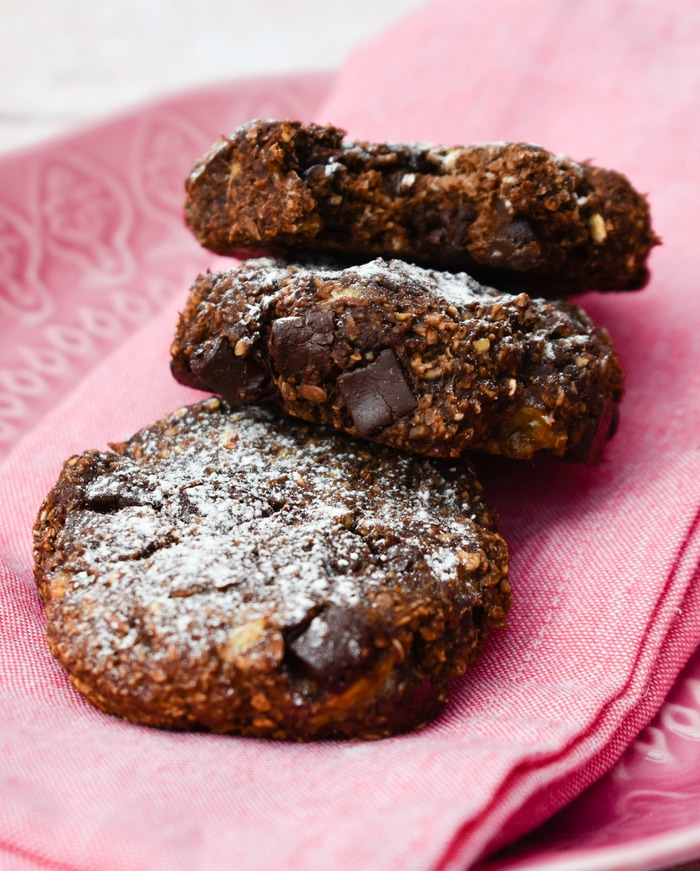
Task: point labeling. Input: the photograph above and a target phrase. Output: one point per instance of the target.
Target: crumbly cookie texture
(236, 571)
(424, 361)
(512, 214)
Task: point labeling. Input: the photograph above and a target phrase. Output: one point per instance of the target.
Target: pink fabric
(603, 560)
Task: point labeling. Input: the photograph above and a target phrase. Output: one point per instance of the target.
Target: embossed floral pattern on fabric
(92, 242)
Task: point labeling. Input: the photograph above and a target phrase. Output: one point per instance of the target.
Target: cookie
(424, 361)
(237, 571)
(512, 214)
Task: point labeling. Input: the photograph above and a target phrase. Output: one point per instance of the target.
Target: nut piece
(596, 224)
(241, 639)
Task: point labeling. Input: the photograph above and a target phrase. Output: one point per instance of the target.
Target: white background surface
(67, 62)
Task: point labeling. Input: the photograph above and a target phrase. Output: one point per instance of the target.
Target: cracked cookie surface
(513, 214)
(426, 361)
(236, 571)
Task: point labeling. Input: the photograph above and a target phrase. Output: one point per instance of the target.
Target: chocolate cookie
(425, 361)
(512, 214)
(240, 572)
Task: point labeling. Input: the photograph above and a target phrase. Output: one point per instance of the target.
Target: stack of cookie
(306, 557)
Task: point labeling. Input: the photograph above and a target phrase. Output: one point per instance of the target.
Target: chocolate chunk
(300, 346)
(515, 242)
(333, 645)
(237, 379)
(378, 394)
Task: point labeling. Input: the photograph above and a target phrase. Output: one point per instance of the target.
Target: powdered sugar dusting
(270, 278)
(212, 519)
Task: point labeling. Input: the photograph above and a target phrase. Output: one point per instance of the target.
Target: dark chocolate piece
(510, 213)
(377, 394)
(302, 344)
(235, 378)
(277, 579)
(425, 361)
(334, 645)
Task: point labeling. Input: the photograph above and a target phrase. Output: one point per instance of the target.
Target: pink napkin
(604, 558)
